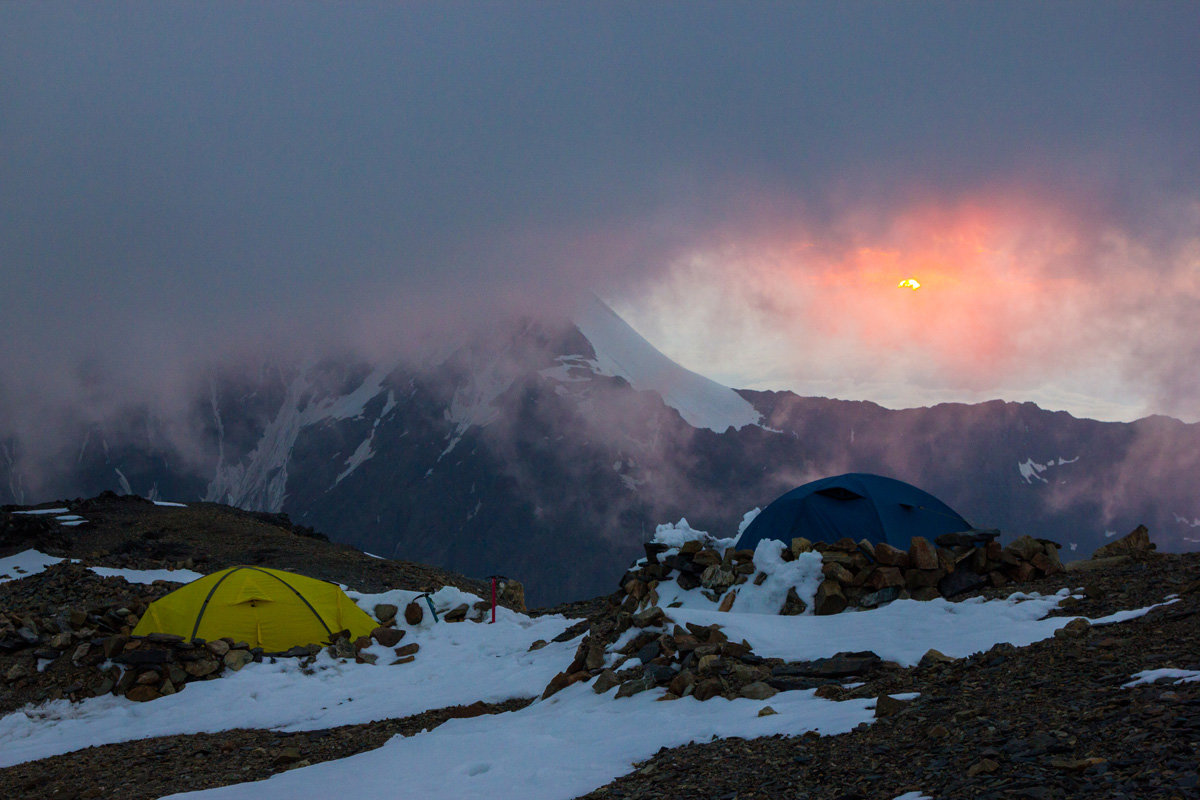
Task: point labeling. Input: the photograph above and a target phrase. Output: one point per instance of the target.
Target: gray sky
(746, 182)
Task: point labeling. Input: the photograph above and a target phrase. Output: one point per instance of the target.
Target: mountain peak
(623, 352)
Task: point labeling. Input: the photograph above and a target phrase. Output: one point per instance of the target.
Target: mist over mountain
(549, 450)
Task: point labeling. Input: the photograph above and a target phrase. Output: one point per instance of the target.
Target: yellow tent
(269, 608)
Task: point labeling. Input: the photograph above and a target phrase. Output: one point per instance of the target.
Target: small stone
(409, 649)
(1074, 629)
(218, 647)
(793, 606)
(650, 618)
(17, 671)
(757, 691)
(605, 681)
(236, 659)
(985, 766)
(201, 667)
(143, 693)
(388, 637)
(538, 645)
(681, 682)
(403, 660)
(933, 657)
(727, 601)
(801, 545)
(767, 711)
(829, 599)
(937, 732)
(635, 686)
(413, 613)
(888, 706)
(890, 556)
(707, 689)
(921, 554)
(149, 678)
(385, 612)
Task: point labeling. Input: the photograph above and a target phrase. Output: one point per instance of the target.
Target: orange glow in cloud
(991, 276)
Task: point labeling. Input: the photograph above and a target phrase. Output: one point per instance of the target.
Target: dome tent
(267, 608)
(857, 505)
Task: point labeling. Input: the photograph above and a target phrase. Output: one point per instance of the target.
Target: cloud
(187, 184)
(1020, 295)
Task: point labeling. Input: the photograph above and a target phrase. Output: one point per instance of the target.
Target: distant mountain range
(549, 452)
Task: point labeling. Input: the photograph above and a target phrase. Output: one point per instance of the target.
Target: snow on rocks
(688, 615)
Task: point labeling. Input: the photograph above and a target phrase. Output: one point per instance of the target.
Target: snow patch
(1031, 470)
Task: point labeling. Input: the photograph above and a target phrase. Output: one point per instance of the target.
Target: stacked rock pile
(82, 653)
(856, 574)
(701, 662)
(694, 660)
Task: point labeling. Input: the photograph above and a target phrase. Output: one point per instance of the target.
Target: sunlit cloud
(1017, 297)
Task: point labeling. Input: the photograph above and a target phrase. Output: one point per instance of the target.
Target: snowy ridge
(261, 481)
(622, 352)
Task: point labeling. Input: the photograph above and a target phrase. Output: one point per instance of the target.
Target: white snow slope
(621, 351)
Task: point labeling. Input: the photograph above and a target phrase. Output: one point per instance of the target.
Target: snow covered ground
(560, 747)
(31, 562)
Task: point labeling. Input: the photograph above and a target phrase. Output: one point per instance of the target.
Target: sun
(909, 283)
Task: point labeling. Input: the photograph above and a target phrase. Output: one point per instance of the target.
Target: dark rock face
(488, 463)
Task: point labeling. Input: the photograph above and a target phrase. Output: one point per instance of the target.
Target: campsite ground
(1050, 720)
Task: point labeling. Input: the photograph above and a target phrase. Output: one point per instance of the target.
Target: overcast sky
(746, 182)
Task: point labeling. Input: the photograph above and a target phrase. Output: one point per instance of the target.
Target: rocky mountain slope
(1062, 717)
(550, 451)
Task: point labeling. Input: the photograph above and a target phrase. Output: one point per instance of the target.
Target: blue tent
(856, 506)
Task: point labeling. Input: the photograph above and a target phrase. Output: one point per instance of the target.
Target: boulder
(385, 612)
(413, 613)
(457, 614)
